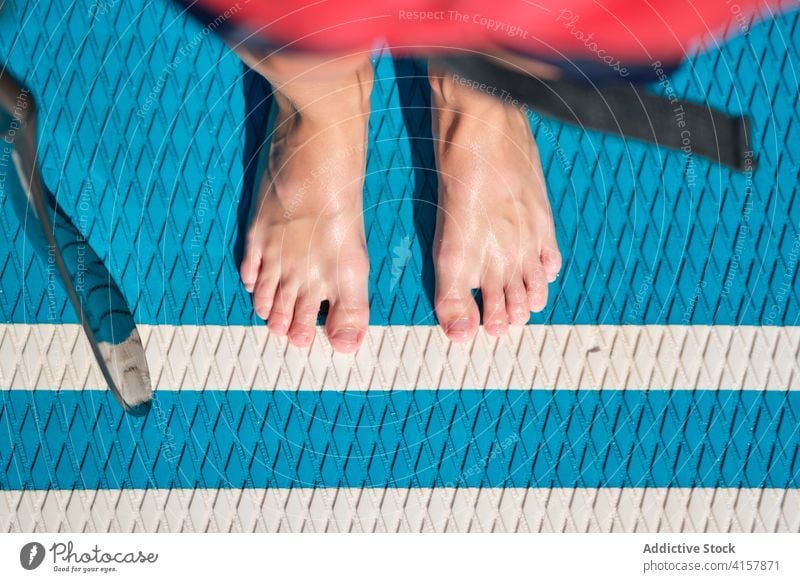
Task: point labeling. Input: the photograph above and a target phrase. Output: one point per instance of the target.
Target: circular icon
(31, 555)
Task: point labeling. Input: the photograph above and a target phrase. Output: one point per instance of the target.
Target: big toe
(347, 324)
(455, 307)
(348, 318)
(458, 316)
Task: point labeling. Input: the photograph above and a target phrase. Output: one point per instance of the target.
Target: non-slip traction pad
(149, 134)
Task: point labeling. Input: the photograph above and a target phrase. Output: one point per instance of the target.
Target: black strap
(622, 109)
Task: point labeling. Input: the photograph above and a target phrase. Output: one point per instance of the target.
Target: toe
(250, 267)
(458, 316)
(348, 317)
(551, 261)
(303, 328)
(346, 325)
(495, 314)
(282, 312)
(517, 302)
(455, 307)
(536, 286)
(264, 293)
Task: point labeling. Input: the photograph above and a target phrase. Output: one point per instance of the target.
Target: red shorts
(628, 31)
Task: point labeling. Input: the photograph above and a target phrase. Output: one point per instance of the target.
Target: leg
(306, 241)
(494, 227)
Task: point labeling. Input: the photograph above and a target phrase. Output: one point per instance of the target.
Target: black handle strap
(622, 109)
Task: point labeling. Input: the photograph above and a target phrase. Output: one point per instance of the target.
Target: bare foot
(306, 241)
(494, 226)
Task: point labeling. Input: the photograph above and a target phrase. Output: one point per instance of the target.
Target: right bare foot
(494, 226)
(306, 241)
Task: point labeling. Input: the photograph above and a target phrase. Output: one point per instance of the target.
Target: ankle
(330, 102)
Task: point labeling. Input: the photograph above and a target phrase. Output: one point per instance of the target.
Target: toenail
(279, 328)
(496, 329)
(345, 336)
(459, 328)
(301, 338)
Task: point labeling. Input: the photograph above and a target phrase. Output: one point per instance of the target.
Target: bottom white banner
(388, 557)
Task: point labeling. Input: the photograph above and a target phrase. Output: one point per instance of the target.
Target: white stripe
(407, 357)
(395, 510)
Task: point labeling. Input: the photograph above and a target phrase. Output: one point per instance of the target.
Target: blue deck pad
(82, 440)
(149, 129)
